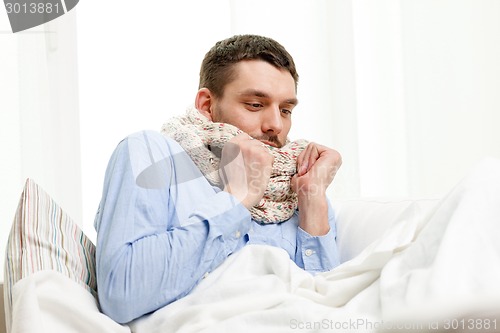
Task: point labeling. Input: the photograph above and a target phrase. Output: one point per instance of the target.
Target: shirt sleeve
(148, 252)
(318, 253)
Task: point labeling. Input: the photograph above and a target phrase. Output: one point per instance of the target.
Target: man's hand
(316, 168)
(246, 166)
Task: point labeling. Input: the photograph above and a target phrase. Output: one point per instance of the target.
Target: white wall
(424, 76)
(452, 83)
(380, 107)
(10, 145)
(39, 123)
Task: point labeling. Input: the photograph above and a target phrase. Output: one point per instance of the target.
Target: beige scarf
(203, 140)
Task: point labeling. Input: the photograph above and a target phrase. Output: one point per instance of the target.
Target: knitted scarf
(203, 140)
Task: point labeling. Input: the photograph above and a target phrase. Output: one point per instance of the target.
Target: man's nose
(272, 121)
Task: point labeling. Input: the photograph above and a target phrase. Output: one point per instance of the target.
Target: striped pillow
(43, 237)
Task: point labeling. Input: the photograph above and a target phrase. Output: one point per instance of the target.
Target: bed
(421, 265)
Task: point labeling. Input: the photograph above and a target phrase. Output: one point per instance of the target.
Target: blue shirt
(161, 227)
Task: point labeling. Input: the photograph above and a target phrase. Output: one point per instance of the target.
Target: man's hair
(217, 68)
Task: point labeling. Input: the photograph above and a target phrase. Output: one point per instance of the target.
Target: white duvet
(441, 269)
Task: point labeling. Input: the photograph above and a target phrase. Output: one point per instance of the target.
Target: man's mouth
(269, 143)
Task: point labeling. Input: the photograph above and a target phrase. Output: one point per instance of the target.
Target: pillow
(362, 221)
(44, 237)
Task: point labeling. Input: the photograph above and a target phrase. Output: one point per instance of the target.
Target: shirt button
(205, 275)
(309, 252)
(237, 234)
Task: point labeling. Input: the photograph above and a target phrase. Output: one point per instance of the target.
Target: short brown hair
(217, 66)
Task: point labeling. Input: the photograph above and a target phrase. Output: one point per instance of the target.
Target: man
(162, 226)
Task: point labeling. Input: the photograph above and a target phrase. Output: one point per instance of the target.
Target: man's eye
(286, 111)
(254, 105)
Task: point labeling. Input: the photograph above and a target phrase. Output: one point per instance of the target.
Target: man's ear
(204, 102)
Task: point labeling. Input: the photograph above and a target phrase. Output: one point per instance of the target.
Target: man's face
(259, 101)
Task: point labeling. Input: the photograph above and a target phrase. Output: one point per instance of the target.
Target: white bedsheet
(49, 301)
(445, 265)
